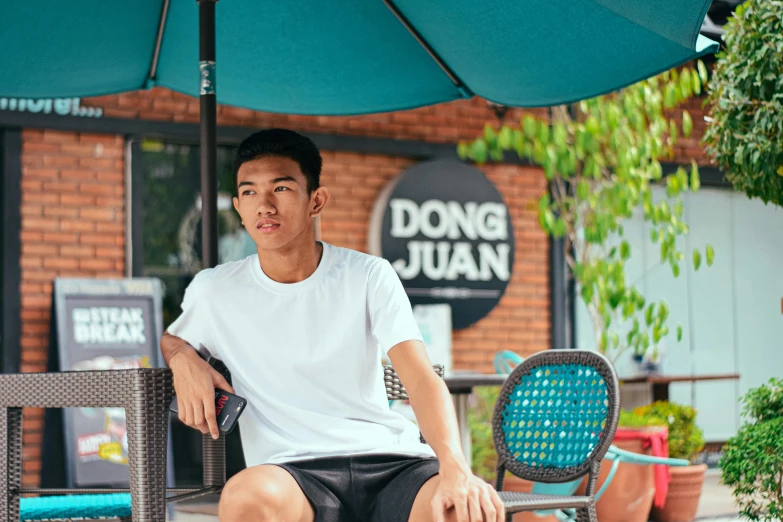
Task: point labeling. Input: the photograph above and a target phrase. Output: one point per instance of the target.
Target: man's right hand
(194, 383)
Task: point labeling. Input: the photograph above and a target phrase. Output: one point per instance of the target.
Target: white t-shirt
(307, 355)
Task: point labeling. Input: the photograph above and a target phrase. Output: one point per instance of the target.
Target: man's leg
(422, 506)
(264, 493)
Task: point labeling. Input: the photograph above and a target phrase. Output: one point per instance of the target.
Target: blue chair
(505, 361)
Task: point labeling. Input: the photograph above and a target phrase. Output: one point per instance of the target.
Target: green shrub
(686, 439)
(632, 419)
(752, 463)
(744, 129)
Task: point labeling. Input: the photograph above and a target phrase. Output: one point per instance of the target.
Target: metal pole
(214, 451)
(209, 240)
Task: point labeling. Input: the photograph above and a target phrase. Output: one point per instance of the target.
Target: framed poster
(103, 324)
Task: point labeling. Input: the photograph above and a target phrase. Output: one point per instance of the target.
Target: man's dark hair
(287, 144)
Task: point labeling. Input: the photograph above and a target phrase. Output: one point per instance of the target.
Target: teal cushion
(76, 506)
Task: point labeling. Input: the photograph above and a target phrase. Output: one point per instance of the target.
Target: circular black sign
(447, 232)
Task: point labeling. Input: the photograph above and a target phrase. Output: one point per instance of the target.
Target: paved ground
(715, 505)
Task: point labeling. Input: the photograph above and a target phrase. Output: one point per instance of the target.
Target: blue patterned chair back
(556, 416)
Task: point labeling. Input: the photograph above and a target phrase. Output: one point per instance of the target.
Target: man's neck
(292, 264)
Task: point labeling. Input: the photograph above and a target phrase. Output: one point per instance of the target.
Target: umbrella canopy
(350, 56)
(340, 57)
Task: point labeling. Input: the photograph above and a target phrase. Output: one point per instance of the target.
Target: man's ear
(318, 200)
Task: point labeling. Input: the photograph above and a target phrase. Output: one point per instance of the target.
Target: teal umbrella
(340, 57)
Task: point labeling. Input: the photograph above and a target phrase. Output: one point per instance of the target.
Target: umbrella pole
(208, 122)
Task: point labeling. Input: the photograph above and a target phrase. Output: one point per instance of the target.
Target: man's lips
(266, 226)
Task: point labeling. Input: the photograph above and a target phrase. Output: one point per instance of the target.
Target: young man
(302, 327)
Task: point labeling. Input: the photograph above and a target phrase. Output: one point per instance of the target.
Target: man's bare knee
(263, 493)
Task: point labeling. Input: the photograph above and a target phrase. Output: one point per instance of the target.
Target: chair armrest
(638, 458)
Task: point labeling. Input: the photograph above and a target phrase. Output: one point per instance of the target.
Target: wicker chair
(145, 394)
(554, 421)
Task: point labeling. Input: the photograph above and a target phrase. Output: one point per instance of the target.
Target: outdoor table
(461, 385)
(660, 383)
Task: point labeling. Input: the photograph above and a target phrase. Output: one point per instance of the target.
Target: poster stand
(98, 324)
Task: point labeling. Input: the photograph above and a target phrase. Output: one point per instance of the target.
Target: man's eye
(247, 192)
(281, 188)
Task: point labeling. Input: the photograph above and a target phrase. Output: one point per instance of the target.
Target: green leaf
(625, 250)
(559, 228)
(675, 270)
(663, 310)
(505, 138)
(615, 339)
(654, 235)
(648, 315)
(685, 83)
(687, 124)
(669, 96)
(543, 202)
(490, 136)
(530, 126)
(644, 341)
(479, 151)
(592, 125)
(543, 133)
(695, 178)
(602, 342)
(710, 254)
(696, 84)
(679, 333)
(463, 150)
(702, 72)
(696, 259)
(582, 190)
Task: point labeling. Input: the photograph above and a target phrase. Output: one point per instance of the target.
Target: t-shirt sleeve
(391, 316)
(193, 324)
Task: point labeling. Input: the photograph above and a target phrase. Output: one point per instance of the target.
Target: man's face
(273, 201)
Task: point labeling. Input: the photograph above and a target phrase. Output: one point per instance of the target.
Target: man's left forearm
(434, 409)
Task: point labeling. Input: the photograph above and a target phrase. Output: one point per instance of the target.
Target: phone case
(228, 407)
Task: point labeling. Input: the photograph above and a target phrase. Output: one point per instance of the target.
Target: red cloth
(659, 441)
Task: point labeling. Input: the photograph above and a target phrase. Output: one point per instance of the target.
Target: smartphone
(228, 408)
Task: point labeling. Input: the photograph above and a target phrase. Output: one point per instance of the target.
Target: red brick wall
(445, 123)
(73, 225)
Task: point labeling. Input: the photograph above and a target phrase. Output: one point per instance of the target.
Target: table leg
(461, 407)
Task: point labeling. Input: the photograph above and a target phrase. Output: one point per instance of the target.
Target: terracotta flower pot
(682, 501)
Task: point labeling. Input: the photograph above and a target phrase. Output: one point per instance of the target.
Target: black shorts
(362, 488)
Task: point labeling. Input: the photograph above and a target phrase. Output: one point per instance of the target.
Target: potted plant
(752, 463)
(686, 440)
(630, 495)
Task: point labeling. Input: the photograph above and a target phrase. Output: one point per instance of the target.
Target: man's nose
(265, 205)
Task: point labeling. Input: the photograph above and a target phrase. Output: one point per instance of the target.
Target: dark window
(166, 244)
